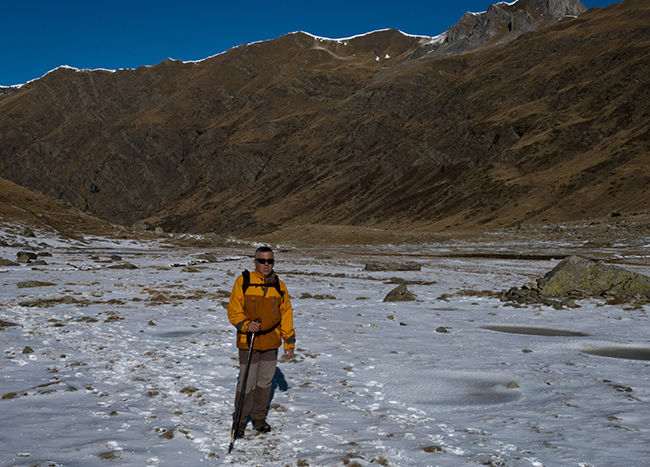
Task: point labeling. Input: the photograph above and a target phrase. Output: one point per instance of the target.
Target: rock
(116, 258)
(408, 266)
(26, 256)
(6, 324)
(397, 280)
(207, 257)
(577, 278)
(123, 266)
(190, 269)
(577, 273)
(141, 226)
(307, 295)
(6, 262)
(215, 239)
(27, 284)
(432, 449)
(27, 232)
(399, 294)
(442, 329)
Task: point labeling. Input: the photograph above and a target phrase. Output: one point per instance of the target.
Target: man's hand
(288, 353)
(253, 326)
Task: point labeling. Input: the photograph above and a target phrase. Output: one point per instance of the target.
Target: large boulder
(577, 273)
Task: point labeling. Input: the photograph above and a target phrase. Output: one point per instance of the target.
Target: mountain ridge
(300, 131)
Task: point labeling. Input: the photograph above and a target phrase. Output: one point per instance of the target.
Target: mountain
(26, 213)
(503, 22)
(541, 120)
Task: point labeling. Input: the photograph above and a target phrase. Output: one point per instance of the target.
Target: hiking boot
(261, 426)
(239, 431)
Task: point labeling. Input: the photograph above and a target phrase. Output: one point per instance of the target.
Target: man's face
(267, 268)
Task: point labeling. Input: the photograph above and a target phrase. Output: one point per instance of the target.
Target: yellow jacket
(263, 302)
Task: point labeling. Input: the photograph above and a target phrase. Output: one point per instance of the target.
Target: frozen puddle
(535, 331)
(629, 353)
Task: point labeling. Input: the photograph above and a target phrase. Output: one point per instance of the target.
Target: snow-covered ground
(137, 367)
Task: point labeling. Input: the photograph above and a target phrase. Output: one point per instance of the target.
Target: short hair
(263, 249)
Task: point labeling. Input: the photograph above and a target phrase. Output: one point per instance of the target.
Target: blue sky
(37, 36)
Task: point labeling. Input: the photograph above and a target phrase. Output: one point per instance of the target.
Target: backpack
(247, 283)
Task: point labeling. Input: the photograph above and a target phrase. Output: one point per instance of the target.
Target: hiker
(259, 303)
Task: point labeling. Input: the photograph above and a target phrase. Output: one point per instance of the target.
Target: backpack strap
(247, 283)
(247, 280)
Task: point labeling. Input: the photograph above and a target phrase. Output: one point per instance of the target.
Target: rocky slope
(25, 214)
(542, 121)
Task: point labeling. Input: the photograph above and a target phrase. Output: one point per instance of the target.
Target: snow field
(141, 369)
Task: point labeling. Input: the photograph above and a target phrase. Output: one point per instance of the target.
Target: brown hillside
(20, 208)
(377, 131)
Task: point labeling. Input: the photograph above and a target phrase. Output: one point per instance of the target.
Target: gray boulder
(27, 232)
(142, 226)
(399, 294)
(26, 256)
(577, 273)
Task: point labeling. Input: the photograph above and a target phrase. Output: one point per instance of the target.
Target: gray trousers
(258, 385)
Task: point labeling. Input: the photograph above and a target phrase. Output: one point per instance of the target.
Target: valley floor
(138, 366)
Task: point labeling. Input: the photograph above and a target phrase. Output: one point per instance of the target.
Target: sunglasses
(264, 260)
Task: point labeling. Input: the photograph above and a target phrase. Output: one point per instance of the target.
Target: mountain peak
(503, 22)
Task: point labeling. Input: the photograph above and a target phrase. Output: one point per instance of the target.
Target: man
(260, 304)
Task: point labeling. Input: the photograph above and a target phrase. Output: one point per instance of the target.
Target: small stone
(123, 266)
(190, 269)
(432, 449)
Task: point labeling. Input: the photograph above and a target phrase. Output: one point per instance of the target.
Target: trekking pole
(240, 403)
